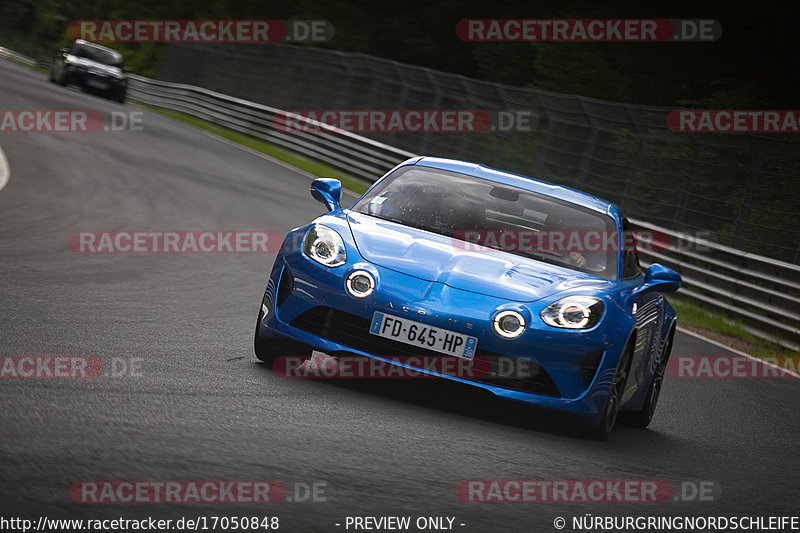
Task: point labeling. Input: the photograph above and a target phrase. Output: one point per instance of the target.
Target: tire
(264, 352)
(643, 417)
(615, 393)
(267, 350)
(120, 97)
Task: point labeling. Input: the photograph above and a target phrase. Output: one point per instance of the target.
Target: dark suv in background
(92, 67)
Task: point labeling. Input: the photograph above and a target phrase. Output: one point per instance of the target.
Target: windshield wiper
(552, 258)
(390, 219)
(405, 223)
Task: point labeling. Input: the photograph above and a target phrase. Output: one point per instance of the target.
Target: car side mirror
(327, 191)
(64, 51)
(126, 69)
(659, 278)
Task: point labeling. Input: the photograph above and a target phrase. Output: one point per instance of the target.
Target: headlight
(509, 324)
(324, 246)
(573, 312)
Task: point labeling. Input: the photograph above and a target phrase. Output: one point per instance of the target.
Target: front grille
(98, 77)
(490, 368)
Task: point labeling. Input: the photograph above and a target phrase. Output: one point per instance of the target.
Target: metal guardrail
(628, 153)
(361, 157)
(762, 293)
(5, 53)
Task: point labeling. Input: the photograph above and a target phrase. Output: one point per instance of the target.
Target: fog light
(509, 324)
(360, 284)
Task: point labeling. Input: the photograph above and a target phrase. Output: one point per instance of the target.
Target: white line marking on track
(738, 352)
(5, 171)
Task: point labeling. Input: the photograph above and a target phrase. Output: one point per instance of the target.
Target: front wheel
(615, 394)
(264, 352)
(643, 417)
(269, 349)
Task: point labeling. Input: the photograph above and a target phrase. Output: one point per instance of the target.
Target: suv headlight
(325, 246)
(574, 312)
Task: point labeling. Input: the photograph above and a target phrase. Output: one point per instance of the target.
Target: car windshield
(485, 216)
(95, 53)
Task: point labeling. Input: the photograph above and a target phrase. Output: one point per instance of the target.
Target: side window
(630, 258)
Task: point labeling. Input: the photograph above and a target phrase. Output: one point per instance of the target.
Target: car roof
(560, 192)
(87, 43)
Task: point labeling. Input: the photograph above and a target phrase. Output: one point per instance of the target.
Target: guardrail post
(544, 147)
(637, 160)
(683, 203)
(588, 146)
(744, 212)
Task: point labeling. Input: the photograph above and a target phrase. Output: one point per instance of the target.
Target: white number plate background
(422, 335)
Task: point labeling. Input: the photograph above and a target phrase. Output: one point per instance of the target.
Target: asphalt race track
(198, 405)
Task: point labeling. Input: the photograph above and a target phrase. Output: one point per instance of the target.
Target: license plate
(97, 84)
(422, 335)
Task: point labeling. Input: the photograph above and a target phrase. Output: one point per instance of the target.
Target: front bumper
(95, 81)
(308, 303)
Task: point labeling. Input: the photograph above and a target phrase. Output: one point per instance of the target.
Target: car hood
(95, 65)
(441, 259)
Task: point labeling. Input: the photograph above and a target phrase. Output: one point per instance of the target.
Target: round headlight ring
(322, 250)
(571, 310)
(509, 324)
(360, 284)
(574, 312)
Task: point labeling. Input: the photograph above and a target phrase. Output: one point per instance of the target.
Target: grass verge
(722, 329)
(312, 167)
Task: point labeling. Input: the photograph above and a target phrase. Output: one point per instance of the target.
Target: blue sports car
(536, 288)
